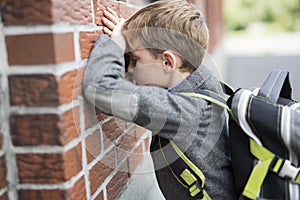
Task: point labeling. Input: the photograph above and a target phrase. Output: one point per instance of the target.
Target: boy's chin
(153, 85)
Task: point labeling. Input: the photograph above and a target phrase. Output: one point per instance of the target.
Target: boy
(166, 42)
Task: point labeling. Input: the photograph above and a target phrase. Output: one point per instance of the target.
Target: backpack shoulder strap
(208, 96)
(228, 89)
(213, 98)
(184, 171)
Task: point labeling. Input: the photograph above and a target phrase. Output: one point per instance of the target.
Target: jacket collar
(201, 78)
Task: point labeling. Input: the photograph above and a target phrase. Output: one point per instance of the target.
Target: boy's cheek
(147, 75)
(139, 76)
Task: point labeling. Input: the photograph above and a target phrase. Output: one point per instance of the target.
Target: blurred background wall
(260, 36)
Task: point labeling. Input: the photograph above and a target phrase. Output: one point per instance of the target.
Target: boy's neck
(176, 78)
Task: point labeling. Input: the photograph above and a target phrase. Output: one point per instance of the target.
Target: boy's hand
(113, 26)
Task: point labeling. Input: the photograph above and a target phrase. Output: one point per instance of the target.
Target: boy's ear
(169, 61)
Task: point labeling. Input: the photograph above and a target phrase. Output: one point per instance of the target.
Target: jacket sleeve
(104, 84)
(154, 108)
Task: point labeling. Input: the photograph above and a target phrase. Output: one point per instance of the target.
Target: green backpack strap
(268, 161)
(185, 172)
(214, 98)
(228, 89)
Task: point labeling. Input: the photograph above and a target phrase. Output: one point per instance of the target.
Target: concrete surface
(142, 185)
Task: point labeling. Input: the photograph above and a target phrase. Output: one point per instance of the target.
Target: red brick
(49, 168)
(23, 12)
(42, 48)
(135, 159)
(100, 196)
(72, 11)
(69, 86)
(102, 170)
(117, 183)
(92, 115)
(120, 8)
(33, 90)
(87, 41)
(69, 125)
(93, 145)
(90, 118)
(136, 2)
(46, 89)
(125, 11)
(4, 196)
(15, 12)
(77, 192)
(124, 146)
(111, 131)
(42, 194)
(147, 143)
(77, 85)
(139, 132)
(2, 172)
(99, 6)
(35, 130)
(46, 129)
(100, 115)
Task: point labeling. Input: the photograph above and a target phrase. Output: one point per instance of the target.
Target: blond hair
(170, 25)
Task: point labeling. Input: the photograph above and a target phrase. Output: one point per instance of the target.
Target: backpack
(264, 138)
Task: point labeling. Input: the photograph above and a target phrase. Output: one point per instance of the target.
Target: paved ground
(142, 185)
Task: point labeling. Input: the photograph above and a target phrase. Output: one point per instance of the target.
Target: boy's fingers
(112, 12)
(111, 17)
(107, 31)
(108, 23)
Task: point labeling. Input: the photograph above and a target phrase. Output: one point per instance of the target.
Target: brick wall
(53, 144)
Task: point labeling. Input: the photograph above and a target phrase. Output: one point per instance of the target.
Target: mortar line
(1, 153)
(105, 193)
(64, 185)
(47, 149)
(76, 41)
(2, 191)
(102, 187)
(57, 69)
(44, 110)
(54, 28)
(93, 13)
(84, 157)
(107, 149)
(10, 157)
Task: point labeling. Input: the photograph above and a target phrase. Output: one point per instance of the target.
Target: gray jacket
(196, 126)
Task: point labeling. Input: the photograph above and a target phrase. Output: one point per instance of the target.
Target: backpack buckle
(288, 170)
(194, 186)
(196, 189)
